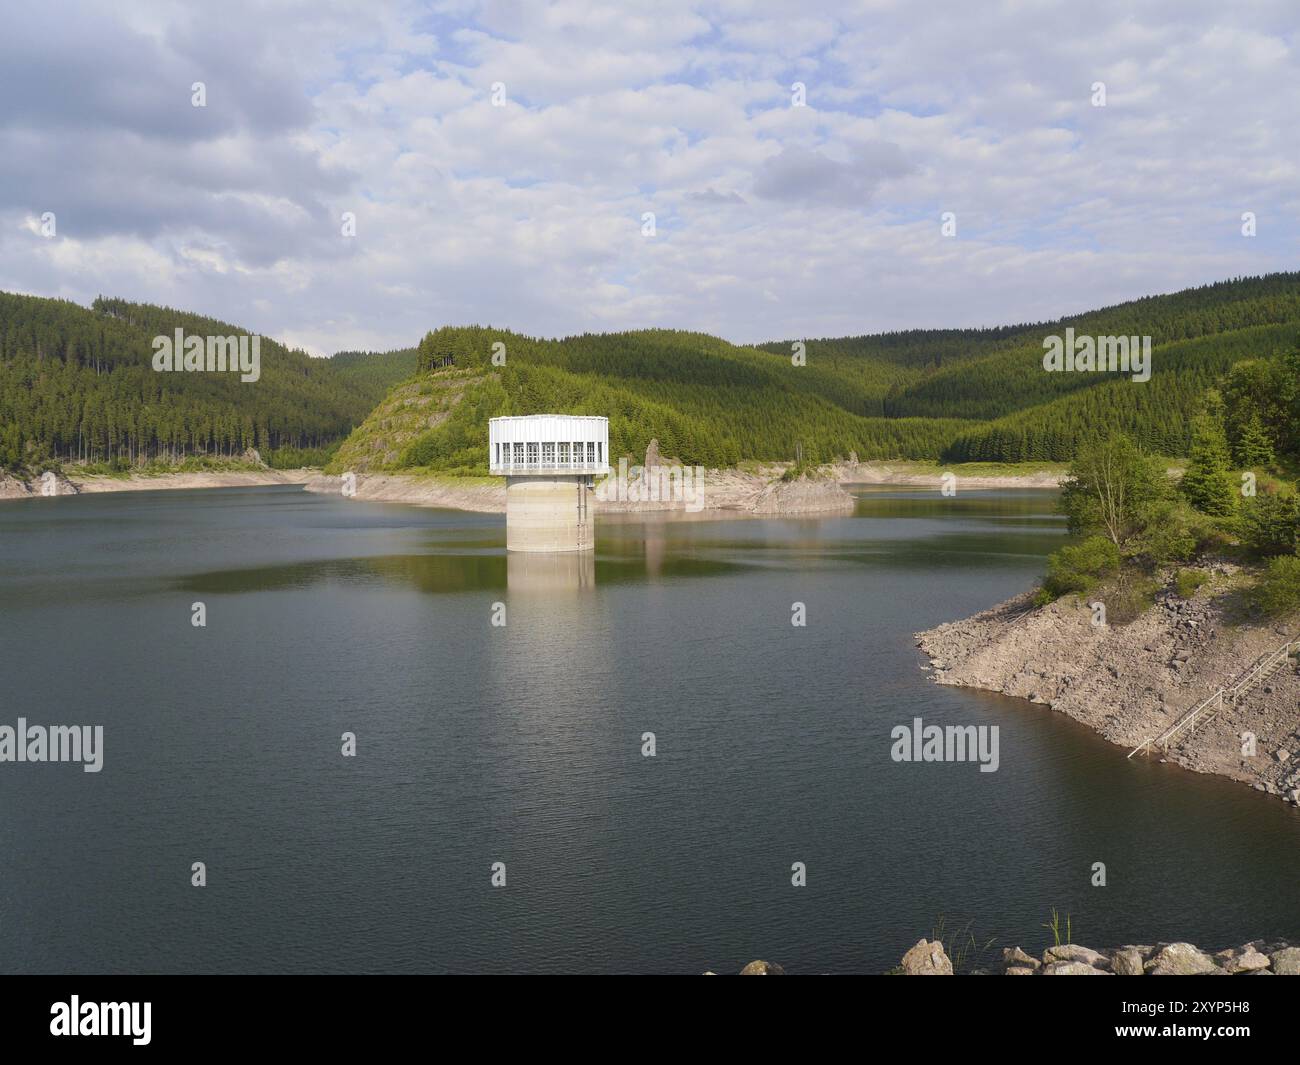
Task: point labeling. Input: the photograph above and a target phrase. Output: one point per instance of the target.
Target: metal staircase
(1203, 711)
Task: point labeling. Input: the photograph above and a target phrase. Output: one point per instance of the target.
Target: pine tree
(1254, 448)
(1208, 483)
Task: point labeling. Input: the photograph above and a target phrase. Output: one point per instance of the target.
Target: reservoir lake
(523, 744)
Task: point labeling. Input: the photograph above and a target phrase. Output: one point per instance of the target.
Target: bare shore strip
(756, 490)
(725, 492)
(1131, 682)
(12, 487)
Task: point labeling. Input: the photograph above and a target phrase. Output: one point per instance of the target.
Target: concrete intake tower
(550, 463)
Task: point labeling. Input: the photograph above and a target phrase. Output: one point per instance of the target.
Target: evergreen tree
(1254, 448)
(1208, 482)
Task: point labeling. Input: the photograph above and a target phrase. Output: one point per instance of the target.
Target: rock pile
(1256, 958)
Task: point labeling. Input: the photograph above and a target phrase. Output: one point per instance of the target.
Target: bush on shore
(1278, 591)
(1078, 568)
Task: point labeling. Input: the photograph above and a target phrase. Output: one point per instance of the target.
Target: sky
(360, 173)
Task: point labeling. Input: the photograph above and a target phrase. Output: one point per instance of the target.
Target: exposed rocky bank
(1130, 682)
(725, 492)
(14, 487)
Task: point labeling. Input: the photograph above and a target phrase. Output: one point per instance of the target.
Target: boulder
(1072, 952)
(1072, 968)
(1286, 962)
(1179, 959)
(926, 959)
(1126, 963)
(1017, 957)
(1242, 959)
(762, 968)
(1018, 970)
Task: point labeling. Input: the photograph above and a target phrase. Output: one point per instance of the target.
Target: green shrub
(1188, 581)
(1129, 597)
(1278, 591)
(1177, 533)
(1269, 522)
(1078, 568)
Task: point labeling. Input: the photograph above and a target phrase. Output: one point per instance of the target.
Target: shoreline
(1130, 682)
(733, 491)
(726, 493)
(926, 475)
(12, 487)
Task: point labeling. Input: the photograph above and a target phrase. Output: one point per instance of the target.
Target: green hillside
(373, 373)
(705, 400)
(78, 384)
(944, 395)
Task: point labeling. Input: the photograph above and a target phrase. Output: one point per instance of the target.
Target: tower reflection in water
(536, 571)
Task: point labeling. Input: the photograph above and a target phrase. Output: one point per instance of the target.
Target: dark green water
(523, 745)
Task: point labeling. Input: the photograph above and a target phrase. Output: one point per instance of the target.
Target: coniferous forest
(77, 385)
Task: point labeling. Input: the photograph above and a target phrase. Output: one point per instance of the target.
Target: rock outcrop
(1131, 681)
(803, 496)
(48, 483)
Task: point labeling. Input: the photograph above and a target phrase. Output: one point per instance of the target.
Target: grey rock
(1179, 959)
(1016, 956)
(1073, 968)
(1126, 963)
(762, 968)
(926, 959)
(1242, 960)
(1286, 962)
(1073, 952)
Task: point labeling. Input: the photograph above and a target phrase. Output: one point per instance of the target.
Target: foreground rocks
(926, 959)
(1256, 958)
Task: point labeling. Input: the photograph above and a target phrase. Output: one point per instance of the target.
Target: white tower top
(548, 444)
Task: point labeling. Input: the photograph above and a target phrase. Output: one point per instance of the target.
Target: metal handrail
(1265, 663)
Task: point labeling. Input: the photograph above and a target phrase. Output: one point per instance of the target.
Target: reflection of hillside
(428, 573)
(544, 571)
(1028, 507)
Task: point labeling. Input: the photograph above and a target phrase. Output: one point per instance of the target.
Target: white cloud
(772, 221)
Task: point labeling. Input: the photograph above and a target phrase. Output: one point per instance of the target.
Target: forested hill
(78, 384)
(373, 373)
(950, 395)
